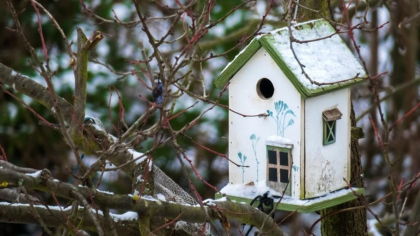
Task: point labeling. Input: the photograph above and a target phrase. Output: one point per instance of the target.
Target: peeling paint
(325, 182)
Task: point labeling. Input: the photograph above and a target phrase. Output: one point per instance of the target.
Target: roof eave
(237, 63)
(282, 65)
(304, 91)
(258, 42)
(336, 86)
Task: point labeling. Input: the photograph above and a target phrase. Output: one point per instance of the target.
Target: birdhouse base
(306, 205)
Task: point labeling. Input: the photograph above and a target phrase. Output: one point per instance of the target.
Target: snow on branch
(144, 206)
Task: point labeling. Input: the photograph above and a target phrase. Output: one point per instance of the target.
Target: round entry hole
(265, 88)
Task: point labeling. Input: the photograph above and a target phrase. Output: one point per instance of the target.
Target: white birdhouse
(300, 151)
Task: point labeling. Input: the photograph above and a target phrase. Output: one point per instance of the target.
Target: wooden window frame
(330, 118)
(328, 131)
(280, 186)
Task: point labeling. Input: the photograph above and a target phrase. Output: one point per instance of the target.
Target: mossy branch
(144, 207)
(34, 90)
(80, 81)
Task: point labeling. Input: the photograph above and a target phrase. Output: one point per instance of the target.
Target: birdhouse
(298, 150)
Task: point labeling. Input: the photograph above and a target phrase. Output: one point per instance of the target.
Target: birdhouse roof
(325, 58)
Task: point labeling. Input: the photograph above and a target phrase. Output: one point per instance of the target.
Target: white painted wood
(243, 98)
(302, 148)
(326, 166)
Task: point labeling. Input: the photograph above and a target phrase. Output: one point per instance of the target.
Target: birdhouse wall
(248, 135)
(326, 165)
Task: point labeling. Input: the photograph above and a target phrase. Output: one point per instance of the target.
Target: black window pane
(272, 174)
(272, 159)
(284, 176)
(331, 131)
(330, 138)
(284, 158)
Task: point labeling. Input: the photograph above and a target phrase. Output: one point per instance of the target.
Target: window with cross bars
(329, 131)
(279, 162)
(278, 165)
(330, 118)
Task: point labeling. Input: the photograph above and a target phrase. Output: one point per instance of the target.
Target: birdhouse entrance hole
(265, 88)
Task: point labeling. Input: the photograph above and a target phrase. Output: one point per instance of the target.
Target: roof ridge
(286, 27)
(328, 62)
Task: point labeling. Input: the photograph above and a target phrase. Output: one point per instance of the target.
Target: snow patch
(211, 202)
(161, 197)
(14, 73)
(150, 166)
(129, 215)
(373, 227)
(250, 192)
(38, 206)
(106, 192)
(137, 156)
(148, 197)
(278, 141)
(35, 175)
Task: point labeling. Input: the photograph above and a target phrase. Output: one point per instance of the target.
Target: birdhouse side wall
(326, 164)
(248, 135)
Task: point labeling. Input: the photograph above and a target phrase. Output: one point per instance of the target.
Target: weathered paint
(317, 169)
(302, 148)
(243, 98)
(326, 166)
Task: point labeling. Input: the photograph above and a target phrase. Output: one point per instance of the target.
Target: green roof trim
(237, 63)
(330, 60)
(313, 206)
(268, 44)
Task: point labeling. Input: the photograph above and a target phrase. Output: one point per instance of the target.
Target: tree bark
(351, 222)
(414, 228)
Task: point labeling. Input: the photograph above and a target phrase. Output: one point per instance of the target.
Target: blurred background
(393, 48)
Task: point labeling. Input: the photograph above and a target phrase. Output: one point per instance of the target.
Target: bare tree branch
(144, 206)
(34, 90)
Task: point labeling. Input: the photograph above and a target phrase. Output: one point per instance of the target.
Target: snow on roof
(326, 61)
(242, 51)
